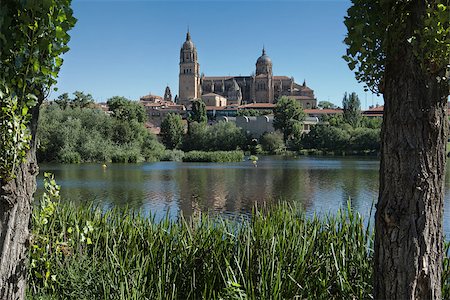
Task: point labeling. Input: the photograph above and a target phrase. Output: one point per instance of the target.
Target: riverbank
(78, 252)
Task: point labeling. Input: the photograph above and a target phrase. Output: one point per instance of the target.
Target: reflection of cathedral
(262, 87)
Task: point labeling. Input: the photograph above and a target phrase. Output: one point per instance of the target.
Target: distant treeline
(74, 130)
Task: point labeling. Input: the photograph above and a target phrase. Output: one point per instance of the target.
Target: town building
(261, 87)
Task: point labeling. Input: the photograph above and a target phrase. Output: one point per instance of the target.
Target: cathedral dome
(264, 59)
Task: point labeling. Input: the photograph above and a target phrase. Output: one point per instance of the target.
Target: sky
(131, 48)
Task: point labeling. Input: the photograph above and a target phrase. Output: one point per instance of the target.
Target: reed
(213, 156)
(80, 252)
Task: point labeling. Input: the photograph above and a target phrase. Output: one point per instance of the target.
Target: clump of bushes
(222, 136)
(214, 156)
(85, 134)
(172, 155)
(272, 143)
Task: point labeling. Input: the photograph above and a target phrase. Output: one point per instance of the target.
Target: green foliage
(213, 156)
(331, 138)
(326, 105)
(372, 122)
(287, 112)
(272, 142)
(254, 112)
(14, 134)
(79, 252)
(365, 139)
(82, 100)
(33, 36)
(172, 131)
(74, 135)
(446, 272)
(376, 27)
(352, 109)
(225, 136)
(172, 155)
(42, 261)
(126, 110)
(198, 113)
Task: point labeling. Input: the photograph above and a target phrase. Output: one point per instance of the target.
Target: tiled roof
(323, 111)
(151, 97)
(376, 108)
(258, 105)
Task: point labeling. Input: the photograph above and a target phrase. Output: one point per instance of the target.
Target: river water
(320, 184)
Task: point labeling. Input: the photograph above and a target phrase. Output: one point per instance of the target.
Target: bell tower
(189, 77)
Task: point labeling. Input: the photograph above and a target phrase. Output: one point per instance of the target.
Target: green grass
(279, 253)
(213, 156)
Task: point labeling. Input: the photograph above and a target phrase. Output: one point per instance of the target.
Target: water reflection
(320, 185)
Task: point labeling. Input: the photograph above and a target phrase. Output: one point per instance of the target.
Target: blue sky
(131, 48)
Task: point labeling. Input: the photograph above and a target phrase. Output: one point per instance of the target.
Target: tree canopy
(352, 109)
(287, 113)
(124, 109)
(198, 113)
(33, 36)
(373, 26)
(326, 105)
(172, 131)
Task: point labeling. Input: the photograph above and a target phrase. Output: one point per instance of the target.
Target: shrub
(70, 157)
(172, 155)
(272, 142)
(222, 136)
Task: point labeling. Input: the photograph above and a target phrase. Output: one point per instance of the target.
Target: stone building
(189, 77)
(261, 87)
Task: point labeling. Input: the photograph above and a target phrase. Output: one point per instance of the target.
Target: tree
(33, 35)
(326, 105)
(198, 113)
(172, 131)
(272, 142)
(124, 109)
(401, 49)
(286, 113)
(352, 109)
(63, 100)
(82, 100)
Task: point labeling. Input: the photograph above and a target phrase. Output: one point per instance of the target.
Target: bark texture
(15, 211)
(408, 220)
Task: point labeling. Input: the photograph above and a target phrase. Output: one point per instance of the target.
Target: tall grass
(213, 156)
(78, 252)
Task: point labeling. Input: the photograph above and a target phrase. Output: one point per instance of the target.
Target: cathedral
(261, 87)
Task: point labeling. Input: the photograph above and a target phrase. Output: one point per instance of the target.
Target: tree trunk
(15, 211)
(408, 220)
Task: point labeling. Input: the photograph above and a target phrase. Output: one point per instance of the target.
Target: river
(319, 184)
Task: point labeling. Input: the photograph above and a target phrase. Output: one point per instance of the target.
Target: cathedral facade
(261, 87)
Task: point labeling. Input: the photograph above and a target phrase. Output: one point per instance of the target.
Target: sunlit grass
(78, 252)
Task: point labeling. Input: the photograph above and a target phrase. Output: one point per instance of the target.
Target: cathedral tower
(189, 78)
(263, 87)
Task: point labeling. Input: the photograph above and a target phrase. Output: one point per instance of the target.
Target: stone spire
(188, 35)
(167, 94)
